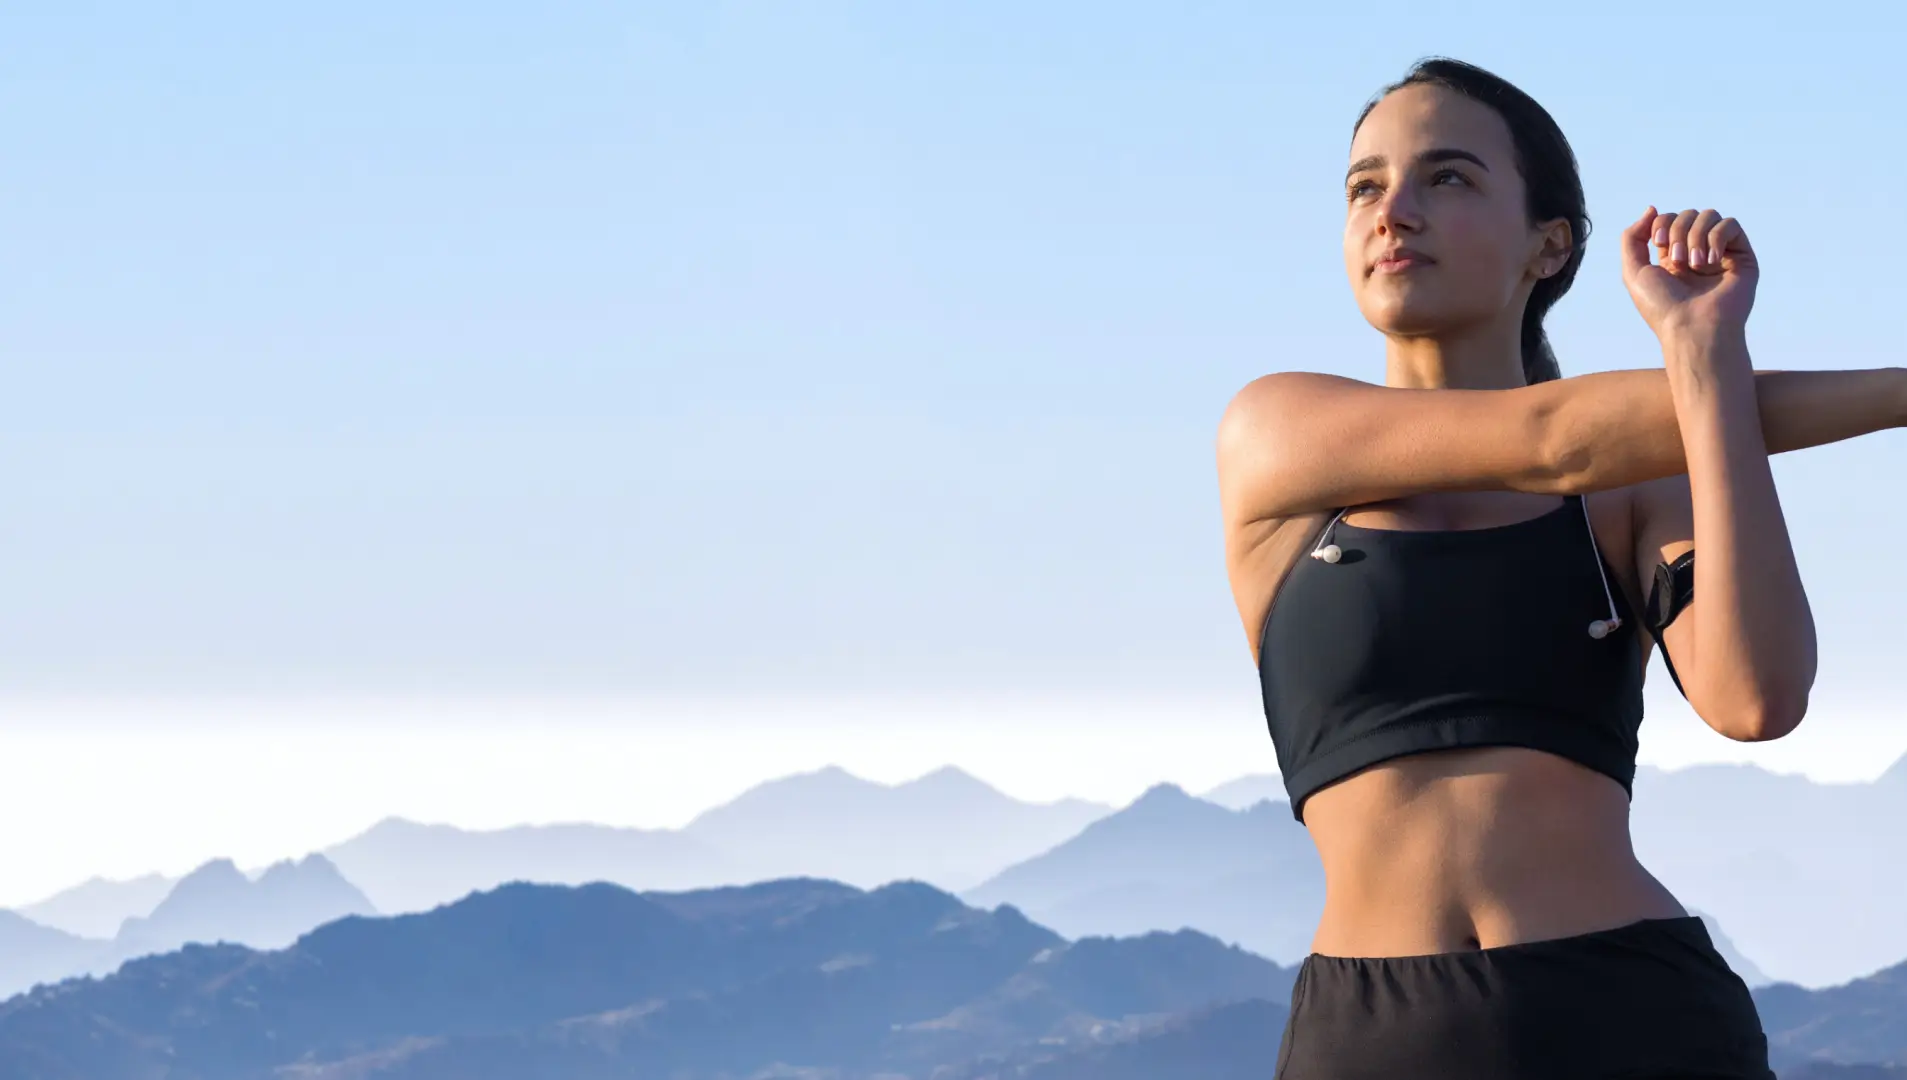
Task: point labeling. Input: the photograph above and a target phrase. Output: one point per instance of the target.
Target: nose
(1397, 210)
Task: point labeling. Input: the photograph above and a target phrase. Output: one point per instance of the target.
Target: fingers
(1660, 230)
(1729, 243)
(1696, 241)
(1635, 243)
(1700, 259)
(1678, 241)
(1693, 242)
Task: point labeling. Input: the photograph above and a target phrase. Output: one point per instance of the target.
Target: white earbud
(1601, 628)
(1330, 553)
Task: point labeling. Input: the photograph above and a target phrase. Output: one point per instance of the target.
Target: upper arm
(1297, 442)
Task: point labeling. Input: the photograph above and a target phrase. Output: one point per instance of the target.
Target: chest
(1416, 614)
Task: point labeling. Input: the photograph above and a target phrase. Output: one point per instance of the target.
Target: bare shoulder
(1266, 415)
(1268, 439)
(1267, 399)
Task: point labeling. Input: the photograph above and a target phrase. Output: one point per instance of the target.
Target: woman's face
(1437, 237)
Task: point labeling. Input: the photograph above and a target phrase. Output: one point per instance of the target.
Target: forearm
(1616, 428)
(1754, 639)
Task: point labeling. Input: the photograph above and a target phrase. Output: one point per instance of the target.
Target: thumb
(1635, 244)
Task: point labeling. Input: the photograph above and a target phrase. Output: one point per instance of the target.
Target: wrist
(1707, 363)
(1698, 334)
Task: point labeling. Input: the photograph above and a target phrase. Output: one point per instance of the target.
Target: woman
(1453, 679)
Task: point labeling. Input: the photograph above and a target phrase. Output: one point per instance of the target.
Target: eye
(1360, 189)
(1439, 176)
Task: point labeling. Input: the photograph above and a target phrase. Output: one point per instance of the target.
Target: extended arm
(1744, 650)
(1745, 647)
(1296, 442)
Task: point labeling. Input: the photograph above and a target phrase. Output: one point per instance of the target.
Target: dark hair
(1548, 167)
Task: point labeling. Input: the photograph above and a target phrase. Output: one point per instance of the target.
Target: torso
(1472, 848)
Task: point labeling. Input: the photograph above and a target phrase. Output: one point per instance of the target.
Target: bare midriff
(1464, 849)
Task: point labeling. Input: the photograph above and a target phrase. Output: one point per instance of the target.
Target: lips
(1398, 260)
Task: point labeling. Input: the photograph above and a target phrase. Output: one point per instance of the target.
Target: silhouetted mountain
(598, 981)
(31, 953)
(946, 828)
(1168, 861)
(214, 903)
(217, 902)
(97, 908)
(1248, 790)
(1857, 1022)
(1807, 877)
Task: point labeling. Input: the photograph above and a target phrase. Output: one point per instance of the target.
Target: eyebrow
(1442, 153)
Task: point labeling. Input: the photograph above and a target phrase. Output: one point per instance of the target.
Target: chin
(1409, 312)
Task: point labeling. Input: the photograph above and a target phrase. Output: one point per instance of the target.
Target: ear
(1553, 242)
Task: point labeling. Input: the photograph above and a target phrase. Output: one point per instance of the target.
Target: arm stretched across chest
(1296, 442)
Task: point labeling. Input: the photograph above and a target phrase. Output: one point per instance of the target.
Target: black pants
(1652, 1000)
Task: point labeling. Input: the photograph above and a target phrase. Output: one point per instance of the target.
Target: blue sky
(789, 352)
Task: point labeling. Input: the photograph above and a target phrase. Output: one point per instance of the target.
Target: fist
(1702, 276)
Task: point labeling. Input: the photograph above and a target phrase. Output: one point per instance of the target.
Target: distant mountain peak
(313, 867)
(952, 776)
(1164, 794)
(216, 872)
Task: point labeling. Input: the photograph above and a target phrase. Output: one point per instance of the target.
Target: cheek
(1479, 246)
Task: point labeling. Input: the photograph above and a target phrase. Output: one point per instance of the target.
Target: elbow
(1768, 715)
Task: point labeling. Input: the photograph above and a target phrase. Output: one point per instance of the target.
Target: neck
(1488, 358)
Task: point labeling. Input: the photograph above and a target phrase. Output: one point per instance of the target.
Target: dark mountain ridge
(601, 981)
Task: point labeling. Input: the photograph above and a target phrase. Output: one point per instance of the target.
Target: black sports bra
(1416, 641)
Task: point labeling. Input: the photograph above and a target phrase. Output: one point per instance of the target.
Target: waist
(1454, 850)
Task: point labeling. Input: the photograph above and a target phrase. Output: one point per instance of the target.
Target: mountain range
(797, 978)
(217, 902)
(1169, 860)
(945, 827)
(808, 977)
(31, 953)
(1806, 876)
(1864, 1020)
(96, 908)
(1745, 847)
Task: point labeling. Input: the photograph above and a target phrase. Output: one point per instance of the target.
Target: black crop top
(1417, 641)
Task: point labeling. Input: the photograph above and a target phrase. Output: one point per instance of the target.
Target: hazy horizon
(205, 783)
